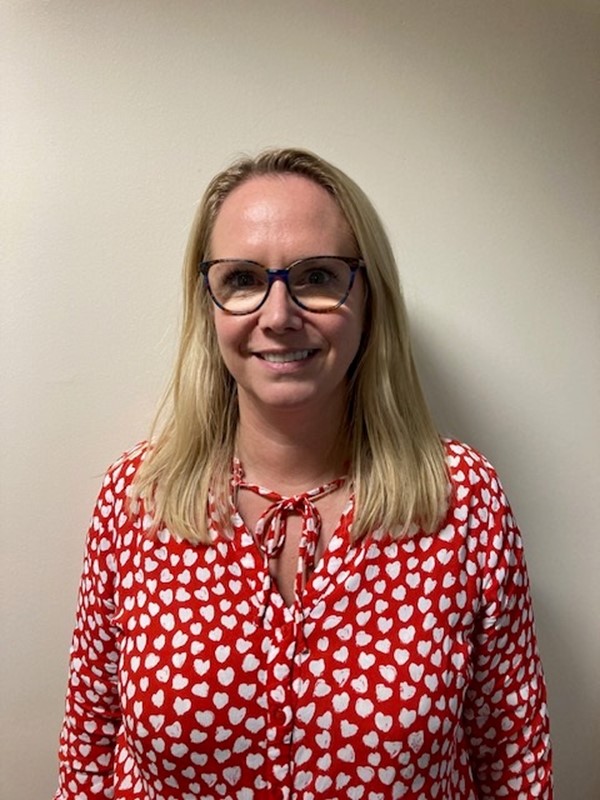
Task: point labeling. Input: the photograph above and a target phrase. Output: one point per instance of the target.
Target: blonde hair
(397, 458)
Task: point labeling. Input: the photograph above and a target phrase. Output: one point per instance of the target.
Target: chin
(288, 398)
(287, 401)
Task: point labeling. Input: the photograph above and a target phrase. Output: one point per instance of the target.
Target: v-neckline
(265, 583)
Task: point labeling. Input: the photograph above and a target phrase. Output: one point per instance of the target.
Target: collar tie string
(271, 530)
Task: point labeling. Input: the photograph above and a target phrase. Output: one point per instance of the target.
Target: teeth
(281, 358)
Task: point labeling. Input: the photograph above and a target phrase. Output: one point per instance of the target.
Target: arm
(92, 714)
(505, 715)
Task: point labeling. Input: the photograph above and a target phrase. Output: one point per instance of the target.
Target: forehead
(283, 208)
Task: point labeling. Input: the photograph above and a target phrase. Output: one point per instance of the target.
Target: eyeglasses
(319, 283)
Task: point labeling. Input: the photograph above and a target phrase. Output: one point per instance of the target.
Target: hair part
(397, 459)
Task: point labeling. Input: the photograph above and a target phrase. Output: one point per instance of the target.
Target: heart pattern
(410, 671)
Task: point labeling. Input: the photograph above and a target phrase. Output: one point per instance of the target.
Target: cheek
(231, 335)
(354, 340)
(225, 335)
(358, 318)
(347, 337)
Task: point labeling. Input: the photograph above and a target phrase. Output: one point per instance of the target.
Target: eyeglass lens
(317, 283)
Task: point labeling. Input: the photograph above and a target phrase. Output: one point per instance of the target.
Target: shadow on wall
(473, 411)
(452, 404)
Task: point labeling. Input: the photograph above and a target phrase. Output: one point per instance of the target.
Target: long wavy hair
(397, 462)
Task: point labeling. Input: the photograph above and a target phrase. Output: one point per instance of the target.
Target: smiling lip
(286, 357)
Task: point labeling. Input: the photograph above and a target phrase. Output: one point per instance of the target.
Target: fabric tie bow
(271, 529)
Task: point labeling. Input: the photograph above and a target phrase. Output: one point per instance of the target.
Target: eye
(237, 276)
(318, 276)
(240, 279)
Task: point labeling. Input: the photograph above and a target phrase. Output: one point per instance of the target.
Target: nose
(279, 312)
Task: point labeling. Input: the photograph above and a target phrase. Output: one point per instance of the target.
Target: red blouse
(409, 671)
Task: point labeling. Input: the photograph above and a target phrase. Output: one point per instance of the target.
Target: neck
(290, 452)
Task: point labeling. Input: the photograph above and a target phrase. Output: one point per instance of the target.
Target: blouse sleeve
(92, 706)
(505, 713)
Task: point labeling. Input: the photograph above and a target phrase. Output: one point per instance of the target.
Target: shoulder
(479, 513)
(468, 467)
(475, 487)
(121, 473)
(115, 491)
(461, 456)
(111, 516)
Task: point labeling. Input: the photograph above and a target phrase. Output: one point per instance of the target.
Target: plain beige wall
(473, 125)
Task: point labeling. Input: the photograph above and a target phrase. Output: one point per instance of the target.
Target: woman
(297, 590)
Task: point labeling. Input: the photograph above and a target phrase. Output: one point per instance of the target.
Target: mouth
(288, 356)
